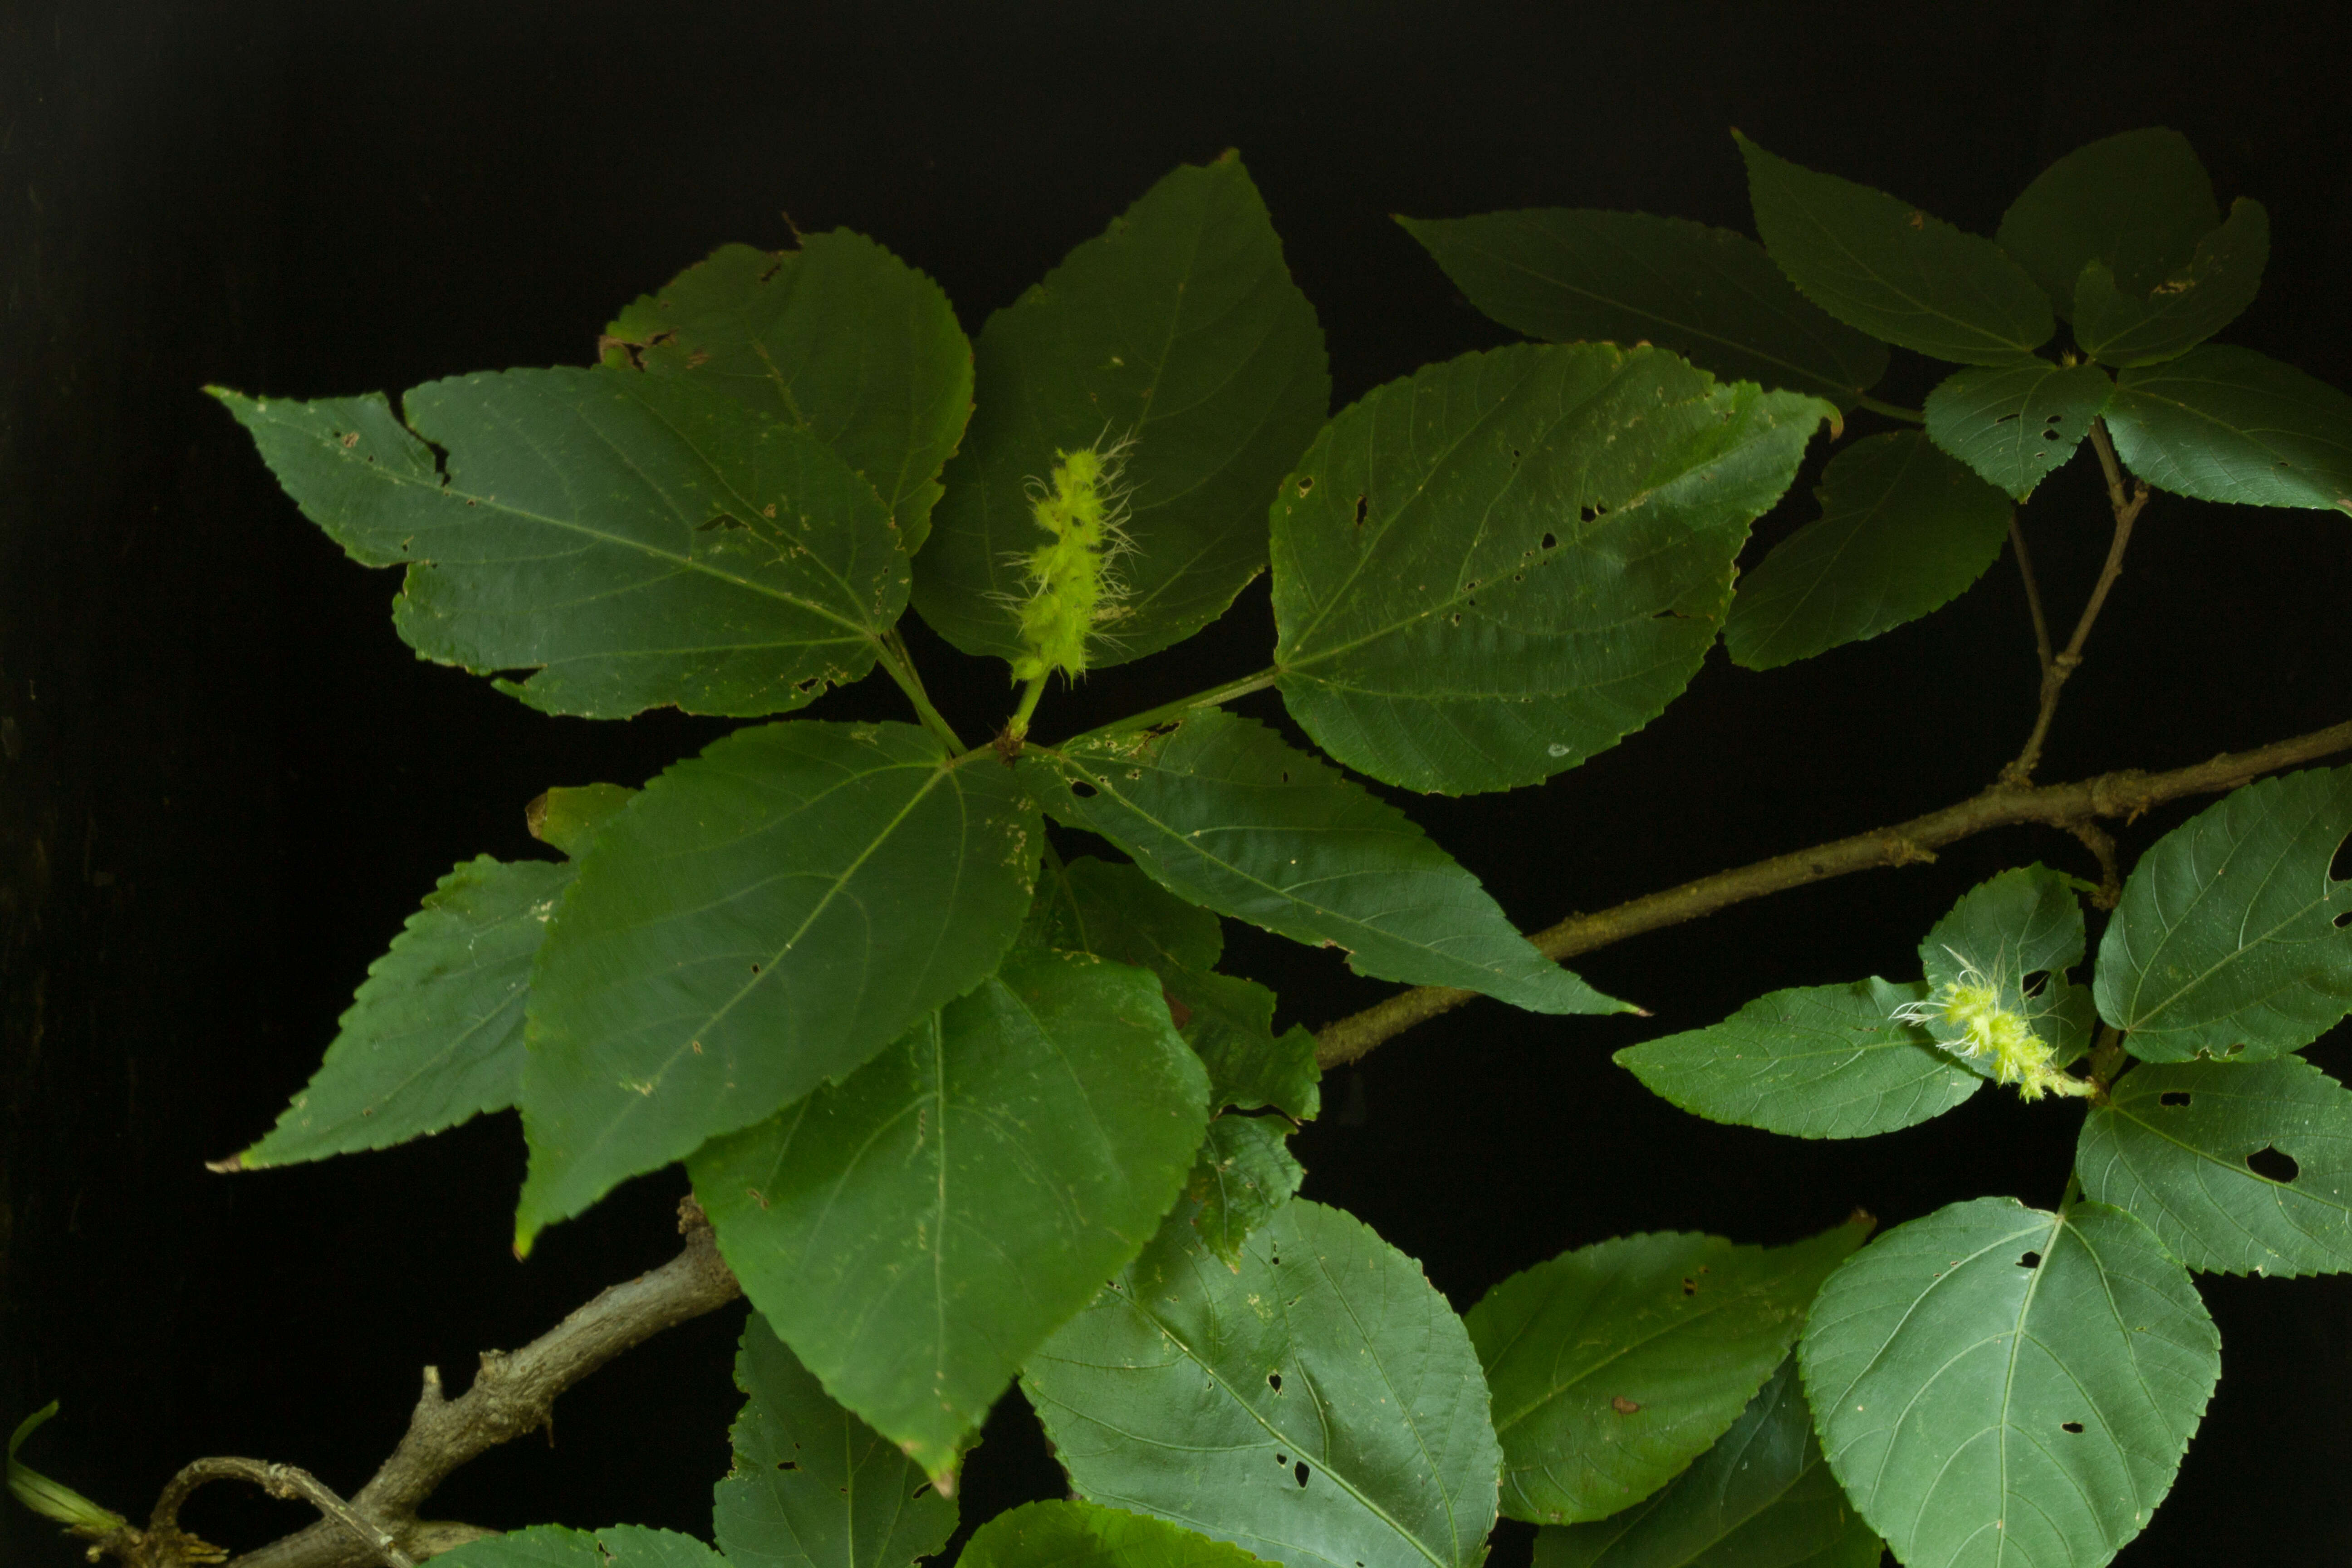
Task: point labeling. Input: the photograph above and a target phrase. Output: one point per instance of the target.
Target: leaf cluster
(934, 1083)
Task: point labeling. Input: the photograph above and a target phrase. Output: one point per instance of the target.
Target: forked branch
(511, 1395)
(2056, 668)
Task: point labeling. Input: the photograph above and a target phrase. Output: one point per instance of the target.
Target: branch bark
(2071, 806)
(511, 1395)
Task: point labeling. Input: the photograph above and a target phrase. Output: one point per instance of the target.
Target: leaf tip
(229, 1166)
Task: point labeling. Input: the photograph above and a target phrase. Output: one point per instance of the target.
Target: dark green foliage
(935, 1084)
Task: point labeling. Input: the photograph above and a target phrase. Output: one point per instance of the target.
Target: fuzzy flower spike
(1968, 1017)
(1070, 587)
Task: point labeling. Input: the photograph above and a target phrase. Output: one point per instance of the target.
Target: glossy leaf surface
(1878, 263)
(2192, 304)
(1178, 328)
(1493, 568)
(2228, 424)
(1119, 913)
(1245, 1174)
(1816, 1061)
(813, 1486)
(2171, 1144)
(1321, 1408)
(1223, 812)
(837, 337)
(635, 541)
(2227, 942)
(1615, 1365)
(2137, 203)
(1569, 275)
(1761, 1498)
(1904, 529)
(763, 919)
(1082, 1535)
(915, 1233)
(434, 1036)
(2016, 425)
(1996, 1384)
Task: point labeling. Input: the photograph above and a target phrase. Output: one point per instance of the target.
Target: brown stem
(2056, 668)
(511, 1395)
(2070, 806)
(2032, 594)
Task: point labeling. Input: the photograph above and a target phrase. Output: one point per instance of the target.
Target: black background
(225, 782)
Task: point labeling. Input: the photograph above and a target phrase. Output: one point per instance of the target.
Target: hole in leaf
(1306, 483)
(2073, 1427)
(1282, 1459)
(1690, 1287)
(2339, 867)
(1363, 509)
(755, 968)
(721, 521)
(2173, 1097)
(2031, 1260)
(1300, 1471)
(2236, 1050)
(919, 1490)
(1551, 541)
(788, 1463)
(1082, 789)
(1274, 1380)
(2004, 420)
(2273, 1165)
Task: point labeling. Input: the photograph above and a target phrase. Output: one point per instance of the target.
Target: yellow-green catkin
(1070, 587)
(1968, 1017)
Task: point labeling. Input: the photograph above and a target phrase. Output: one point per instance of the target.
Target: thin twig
(511, 1395)
(2069, 806)
(2127, 510)
(2033, 594)
(280, 1482)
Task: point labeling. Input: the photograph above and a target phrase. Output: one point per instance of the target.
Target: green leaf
(2137, 202)
(1904, 529)
(838, 338)
(1245, 1172)
(2231, 939)
(1222, 813)
(1995, 1383)
(434, 1036)
(570, 818)
(2024, 921)
(1080, 1535)
(1760, 1497)
(1567, 275)
(813, 1486)
(2184, 309)
(1180, 329)
(636, 541)
(1493, 568)
(49, 1498)
(2171, 1144)
(1615, 1365)
(1119, 913)
(1322, 1406)
(916, 1233)
(763, 919)
(552, 1546)
(2016, 423)
(1880, 264)
(1818, 1061)
(2228, 424)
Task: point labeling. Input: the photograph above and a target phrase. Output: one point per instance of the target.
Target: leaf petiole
(900, 663)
